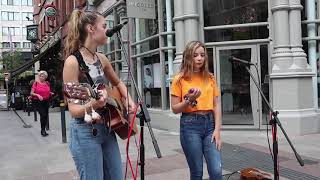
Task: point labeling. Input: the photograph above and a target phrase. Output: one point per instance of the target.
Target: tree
(11, 60)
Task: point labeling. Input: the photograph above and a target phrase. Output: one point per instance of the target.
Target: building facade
(15, 16)
(279, 37)
(50, 19)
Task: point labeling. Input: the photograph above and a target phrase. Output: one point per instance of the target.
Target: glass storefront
(148, 53)
(230, 12)
(231, 21)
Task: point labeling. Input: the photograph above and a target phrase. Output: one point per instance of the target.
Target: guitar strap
(83, 67)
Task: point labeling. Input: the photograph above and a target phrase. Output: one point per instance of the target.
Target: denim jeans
(195, 136)
(96, 157)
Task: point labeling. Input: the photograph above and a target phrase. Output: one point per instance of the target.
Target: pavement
(26, 155)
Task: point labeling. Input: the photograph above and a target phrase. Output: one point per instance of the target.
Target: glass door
(239, 96)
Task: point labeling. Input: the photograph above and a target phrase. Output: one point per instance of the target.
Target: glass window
(4, 16)
(234, 12)
(26, 45)
(16, 2)
(17, 31)
(228, 12)
(10, 16)
(30, 15)
(16, 44)
(29, 2)
(10, 2)
(11, 31)
(24, 31)
(4, 2)
(4, 31)
(5, 45)
(16, 16)
(24, 2)
(25, 15)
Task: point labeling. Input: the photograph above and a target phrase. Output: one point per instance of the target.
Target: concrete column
(121, 9)
(169, 37)
(299, 62)
(291, 76)
(282, 54)
(312, 47)
(169, 44)
(191, 21)
(179, 33)
(162, 57)
(139, 61)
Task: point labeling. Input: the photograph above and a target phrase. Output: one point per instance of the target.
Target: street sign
(141, 9)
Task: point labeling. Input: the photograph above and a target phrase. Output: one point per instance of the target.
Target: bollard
(28, 106)
(63, 122)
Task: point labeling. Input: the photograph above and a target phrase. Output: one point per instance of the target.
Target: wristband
(192, 103)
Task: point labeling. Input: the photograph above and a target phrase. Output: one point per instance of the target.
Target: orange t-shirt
(209, 91)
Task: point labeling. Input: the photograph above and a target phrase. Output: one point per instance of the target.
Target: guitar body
(112, 114)
(255, 174)
(117, 121)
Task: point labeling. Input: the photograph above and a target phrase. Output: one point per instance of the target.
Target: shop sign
(141, 9)
(50, 11)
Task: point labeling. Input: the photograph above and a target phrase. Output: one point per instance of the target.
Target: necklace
(92, 53)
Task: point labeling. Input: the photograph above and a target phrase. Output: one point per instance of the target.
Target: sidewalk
(25, 155)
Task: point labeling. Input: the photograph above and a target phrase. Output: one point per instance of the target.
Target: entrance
(241, 103)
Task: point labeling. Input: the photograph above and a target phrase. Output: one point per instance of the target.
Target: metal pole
(63, 122)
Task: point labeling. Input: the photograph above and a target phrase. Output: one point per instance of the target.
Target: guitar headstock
(80, 91)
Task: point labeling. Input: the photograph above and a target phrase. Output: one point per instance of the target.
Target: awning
(28, 64)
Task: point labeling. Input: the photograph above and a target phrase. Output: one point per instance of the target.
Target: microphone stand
(143, 116)
(274, 122)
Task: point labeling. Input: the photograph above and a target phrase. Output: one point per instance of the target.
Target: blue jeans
(195, 136)
(96, 157)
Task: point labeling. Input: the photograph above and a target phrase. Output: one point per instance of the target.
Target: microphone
(234, 59)
(115, 29)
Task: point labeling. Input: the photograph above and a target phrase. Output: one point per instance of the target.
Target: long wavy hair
(77, 33)
(186, 68)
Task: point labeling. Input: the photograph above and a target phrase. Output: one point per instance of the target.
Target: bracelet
(192, 103)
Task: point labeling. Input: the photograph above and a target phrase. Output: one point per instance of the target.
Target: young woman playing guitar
(96, 153)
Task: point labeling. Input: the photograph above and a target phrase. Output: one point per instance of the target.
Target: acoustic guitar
(255, 174)
(113, 113)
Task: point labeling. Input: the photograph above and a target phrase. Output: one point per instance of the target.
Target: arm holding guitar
(70, 74)
(123, 91)
(115, 80)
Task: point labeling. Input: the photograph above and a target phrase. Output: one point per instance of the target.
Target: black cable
(231, 174)
(259, 82)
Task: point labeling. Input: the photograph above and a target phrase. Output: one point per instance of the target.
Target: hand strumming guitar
(101, 102)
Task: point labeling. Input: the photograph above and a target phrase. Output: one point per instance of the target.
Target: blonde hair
(43, 72)
(186, 68)
(77, 33)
